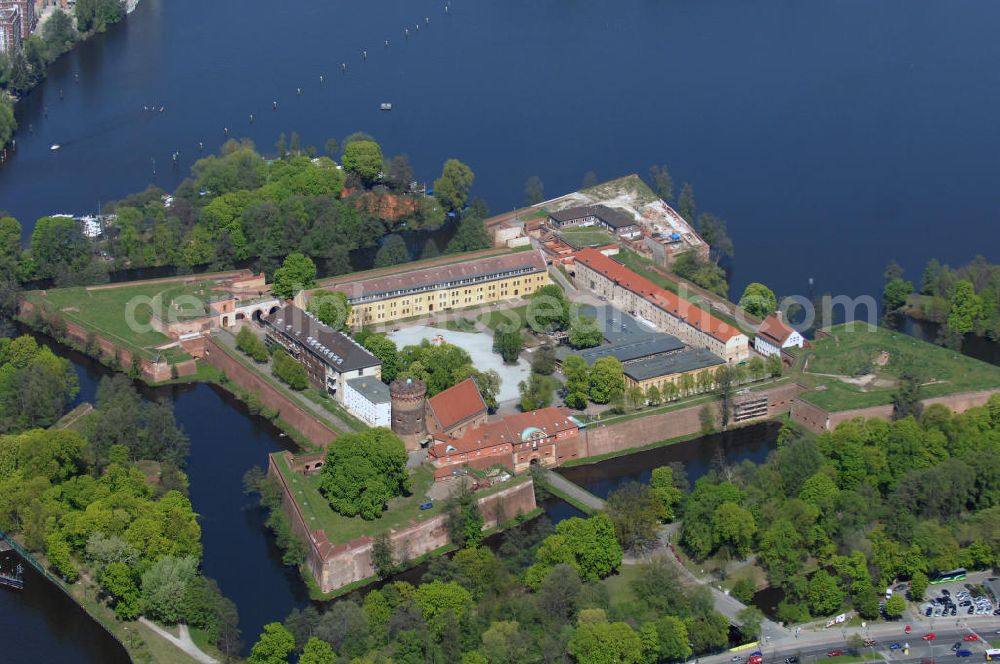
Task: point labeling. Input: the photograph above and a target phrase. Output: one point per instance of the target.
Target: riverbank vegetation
(834, 519)
(544, 595)
(106, 499)
(35, 385)
(964, 300)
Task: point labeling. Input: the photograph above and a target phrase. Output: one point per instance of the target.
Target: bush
(251, 345)
(289, 371)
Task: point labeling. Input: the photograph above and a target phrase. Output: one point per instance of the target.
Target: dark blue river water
(833, 136)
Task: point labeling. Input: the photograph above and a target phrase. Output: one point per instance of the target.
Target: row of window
(443, 286)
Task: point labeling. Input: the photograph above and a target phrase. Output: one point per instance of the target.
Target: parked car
(971, 637)
(426, 506)
(907, 629)
(964, 653)
(895, 646)
(792, 660)
(930, 636)
(835, 653)
(955, 646)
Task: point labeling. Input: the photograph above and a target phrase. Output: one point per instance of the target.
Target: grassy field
(494, 319)
(855, 380)
(586, 236)
(340, 529)
(107, 311)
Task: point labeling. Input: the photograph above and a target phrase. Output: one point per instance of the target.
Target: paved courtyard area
(480, 349)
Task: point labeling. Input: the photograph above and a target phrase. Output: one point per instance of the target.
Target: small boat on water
(385, 106)
(54, 147)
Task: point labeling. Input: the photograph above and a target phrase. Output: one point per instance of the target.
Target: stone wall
(818, 420)
(640, 431)
(337, 565)
(316, 431)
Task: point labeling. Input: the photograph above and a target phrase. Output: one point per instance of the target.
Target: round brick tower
(408, 410)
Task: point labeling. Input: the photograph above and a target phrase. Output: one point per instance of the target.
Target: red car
(835, 653)
(929, 637)
(907, 630)
(971, 637)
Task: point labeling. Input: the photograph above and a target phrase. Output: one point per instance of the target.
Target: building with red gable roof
(774, 334)
(454, 411)
(545, 437)
(667, 311)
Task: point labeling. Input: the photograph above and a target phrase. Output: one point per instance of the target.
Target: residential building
(434, 289)
(774, 335)
(454, 411)
(516, 442)
(614, 221)
(10, 29)
(26, 14)
(665, 310)
(331, 358)
(368, 398)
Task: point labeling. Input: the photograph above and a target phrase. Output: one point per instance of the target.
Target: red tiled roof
(508, 431)
(775, 330)
(662, 298)
(457, 404)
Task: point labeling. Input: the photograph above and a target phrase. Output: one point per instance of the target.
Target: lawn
(853, 350)
(586, 236)
(619, 586)
(341, 529)
(114, 312)
(494, 319)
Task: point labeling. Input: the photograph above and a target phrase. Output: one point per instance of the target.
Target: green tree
(7, 122)
(607, 379)
(825, 594)
(274, 645)
(713, 231)
(118, 581)
(250, 343)
(585, 333)
(452, 188)
(382, 556)
(635, 512)
(363, 158)
(587, 545)
(385, 350)
(686, 204)
(750, 618)
(289, 370)
(895, 293)
(296, 273)
(965, 307)
(734, 527)
(392, 252)
(758, 300)
(163, 587)
(906, 399)
(469, 236)
(464, 521)
(543, 361)
(672, 639)
(331, 308)
(918, 586)
(317, 652)
(437, 599)
(534, 190)
(665, 492)
(58, 248)
(895, 606)
(536, 392)
(605, 643)
(363, 471)
(577, 381)
(663, 183)
(508, 343)
(548, 309)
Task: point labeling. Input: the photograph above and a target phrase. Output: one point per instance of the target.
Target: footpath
(183, 642)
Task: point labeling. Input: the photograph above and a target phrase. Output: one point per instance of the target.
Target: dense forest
(963, 300)
(834, 519)
(106, 498)
(238, 208)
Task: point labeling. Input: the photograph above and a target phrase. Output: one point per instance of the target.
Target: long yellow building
(436, 289)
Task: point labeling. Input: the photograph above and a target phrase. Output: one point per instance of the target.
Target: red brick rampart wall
(640, 431)
(818, 420)
(303, 421)
(337, 565)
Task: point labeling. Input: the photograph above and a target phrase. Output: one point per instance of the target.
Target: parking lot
(959, 599)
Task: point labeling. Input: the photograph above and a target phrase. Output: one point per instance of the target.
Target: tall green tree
(274, 645)
(965, 308)
(508, 343)
(363, 471)
(607, 379)
(577, 389)
(363, 158)
(534, 190)
(296, 273)
(758, 300)
(392, 252)
(452, 188)
(663, 183)
(686, 204)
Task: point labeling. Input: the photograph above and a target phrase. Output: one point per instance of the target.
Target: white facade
(767, 348)
(368, 400)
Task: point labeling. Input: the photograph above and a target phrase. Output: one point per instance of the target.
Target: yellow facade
(661, 381)
(426, 302)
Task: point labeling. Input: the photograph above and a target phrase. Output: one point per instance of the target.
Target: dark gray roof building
(334, 349)
(610, 217)
(683, 361)
(635, 348)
